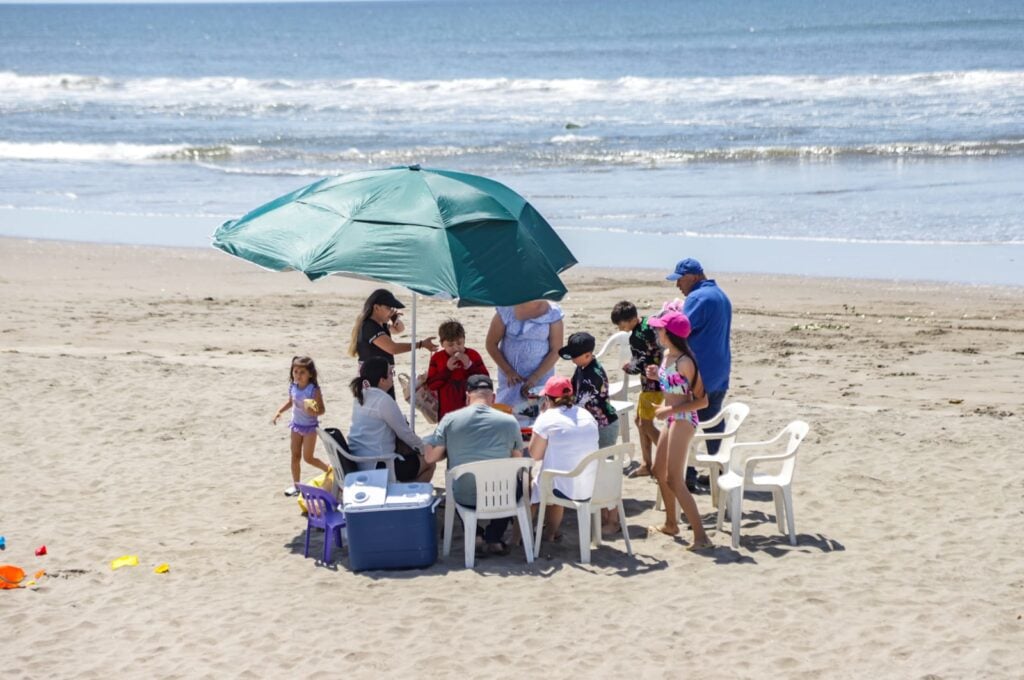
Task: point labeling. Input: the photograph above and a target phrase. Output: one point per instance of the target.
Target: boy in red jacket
(451, 366)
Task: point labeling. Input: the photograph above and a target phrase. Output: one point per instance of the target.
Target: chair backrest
(318, 504)
(785, 445)
(336, 448)
(733, 416)
(619, 344)
(608, 480)
(797, 431)
(495, 482)
(613, 354)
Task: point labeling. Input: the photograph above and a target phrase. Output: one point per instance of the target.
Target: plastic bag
(426, 398)
(324, 480)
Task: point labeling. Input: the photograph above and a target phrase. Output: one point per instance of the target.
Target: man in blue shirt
(710, 314)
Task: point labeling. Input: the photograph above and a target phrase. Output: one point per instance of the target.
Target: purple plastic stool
(322, 513)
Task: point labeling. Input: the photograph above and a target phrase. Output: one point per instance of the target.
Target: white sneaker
(291, 491)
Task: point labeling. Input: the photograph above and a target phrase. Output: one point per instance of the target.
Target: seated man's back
(474, 433)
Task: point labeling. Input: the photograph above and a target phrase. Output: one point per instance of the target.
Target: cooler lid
(365, 490)
(407, 496)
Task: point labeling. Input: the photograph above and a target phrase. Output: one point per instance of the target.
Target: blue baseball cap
(687, 266)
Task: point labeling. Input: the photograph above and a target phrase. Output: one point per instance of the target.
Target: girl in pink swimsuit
(674, 382)
(681, 383)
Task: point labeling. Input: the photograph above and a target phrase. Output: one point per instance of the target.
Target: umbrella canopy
(438, 233)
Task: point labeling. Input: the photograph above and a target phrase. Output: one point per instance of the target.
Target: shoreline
(967, 263)
(578, 271)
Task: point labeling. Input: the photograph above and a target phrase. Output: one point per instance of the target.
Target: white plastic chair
(742, 475)
(733, 414)
(607, 494)
(335, 453)
(495, 497)
(617, 352)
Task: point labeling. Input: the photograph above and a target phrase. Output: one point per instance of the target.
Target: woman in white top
(377, 423)
(563, 435)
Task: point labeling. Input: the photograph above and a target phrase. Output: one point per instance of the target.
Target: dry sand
(140, 382)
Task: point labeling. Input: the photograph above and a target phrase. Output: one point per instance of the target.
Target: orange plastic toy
(10, 576)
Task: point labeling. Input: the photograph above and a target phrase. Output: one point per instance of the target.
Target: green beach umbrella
(441, 234)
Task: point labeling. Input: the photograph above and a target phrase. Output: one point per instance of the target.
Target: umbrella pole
(412, 392)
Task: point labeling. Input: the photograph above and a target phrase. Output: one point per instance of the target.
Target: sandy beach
(141, 381)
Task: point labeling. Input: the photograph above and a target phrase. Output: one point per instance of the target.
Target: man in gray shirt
(473, 433)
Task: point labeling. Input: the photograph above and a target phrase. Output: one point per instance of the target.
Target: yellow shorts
(648, 403)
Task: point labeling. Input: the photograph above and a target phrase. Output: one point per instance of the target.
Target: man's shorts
(648, 403)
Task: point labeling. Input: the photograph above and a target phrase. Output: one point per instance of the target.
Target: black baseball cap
(578, 345)
(479, 382)
(385, 297)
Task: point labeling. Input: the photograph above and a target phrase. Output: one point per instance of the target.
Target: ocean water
(764, 136)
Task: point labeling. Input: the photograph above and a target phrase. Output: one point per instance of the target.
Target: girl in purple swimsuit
(307, 404)
(681, 383)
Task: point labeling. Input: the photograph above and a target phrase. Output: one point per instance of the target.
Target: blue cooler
(390, 526)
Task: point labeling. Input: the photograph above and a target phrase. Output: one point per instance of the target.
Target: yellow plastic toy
(125, 561)
(162, 568)
(311, 405)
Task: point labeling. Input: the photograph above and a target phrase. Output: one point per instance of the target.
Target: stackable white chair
(337, 454)
(733, 415)
(743, 475)
(607, 494)
(614, 353)
(495, 497)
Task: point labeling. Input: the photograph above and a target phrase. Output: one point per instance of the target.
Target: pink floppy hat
(675, 323)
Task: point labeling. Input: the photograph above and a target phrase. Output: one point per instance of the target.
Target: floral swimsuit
(673, 382)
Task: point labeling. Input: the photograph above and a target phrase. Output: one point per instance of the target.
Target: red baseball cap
(557, 386)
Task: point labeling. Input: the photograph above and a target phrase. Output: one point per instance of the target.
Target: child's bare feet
(667, 529)
(700, 545)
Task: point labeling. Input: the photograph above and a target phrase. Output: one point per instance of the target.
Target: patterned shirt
(646, 351)
(590, 385)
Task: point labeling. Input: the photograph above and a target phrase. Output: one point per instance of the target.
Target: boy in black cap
(590, 384)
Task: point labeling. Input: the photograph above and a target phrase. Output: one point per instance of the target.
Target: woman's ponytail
(371, 372)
